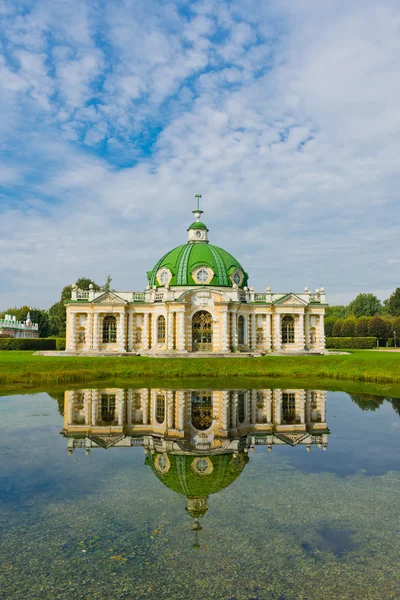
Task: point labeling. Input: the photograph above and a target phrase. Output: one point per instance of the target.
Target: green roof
(197, 225)
(182, 261)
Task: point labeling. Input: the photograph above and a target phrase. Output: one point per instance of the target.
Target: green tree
(362, 327)
(367, 401)
(379, 328)
(364, 305)
(339, 311)
(392, 304)
(58, 311)
(329, 323)
(349, 327)
(337, 328)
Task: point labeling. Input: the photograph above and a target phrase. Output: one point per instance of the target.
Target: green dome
(197, 225)
(183, 480)
(183, 260)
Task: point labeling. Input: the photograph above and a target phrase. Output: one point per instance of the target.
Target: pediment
(290, 300)
(109, 298)
(106, 441)
(292, 439)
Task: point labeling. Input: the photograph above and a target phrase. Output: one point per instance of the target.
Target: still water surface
(232, 494)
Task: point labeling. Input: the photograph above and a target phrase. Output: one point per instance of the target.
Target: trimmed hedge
(27, 344)
(60, 343)
(340, 343)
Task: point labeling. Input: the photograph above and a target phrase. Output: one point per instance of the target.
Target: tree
(362, 327)
(393, 303)
(329, 323)
(58, 311)
(364, 305)
(106, 286)
(379, 328)
(337, 328)
(349, 327)
(339, 312)
(367, 401)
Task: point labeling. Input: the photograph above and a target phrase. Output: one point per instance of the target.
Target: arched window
(241, 324)
(161, 329)
(202, 411)
(313, 335)
(160, 409)
(109, 330)
(288, 330)
(108, 408)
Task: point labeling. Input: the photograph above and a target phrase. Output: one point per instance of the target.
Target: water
(239, 494)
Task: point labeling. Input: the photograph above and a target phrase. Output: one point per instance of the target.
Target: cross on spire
(198, 196)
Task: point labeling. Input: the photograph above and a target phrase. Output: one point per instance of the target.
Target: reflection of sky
(106, 520)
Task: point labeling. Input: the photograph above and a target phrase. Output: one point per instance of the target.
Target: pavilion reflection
(195, 441)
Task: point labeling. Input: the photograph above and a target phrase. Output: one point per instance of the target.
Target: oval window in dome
(164, 276)
(202, 276)
(237, 278)
(198, 234)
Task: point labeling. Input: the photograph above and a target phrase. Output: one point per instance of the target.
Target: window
(241, 324)
(161, 329)
(198, 234)
(202, 411)
(236, 277)
(202, 276)
(109, 330)
(288, 330)
(160, 409)
(241, 408)
(201, 465)
(288, 408)
(164, 276)
(108, 408)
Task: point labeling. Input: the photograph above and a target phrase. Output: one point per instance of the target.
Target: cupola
(197, 232)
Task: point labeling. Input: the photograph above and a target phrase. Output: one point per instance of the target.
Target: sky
(284, 115)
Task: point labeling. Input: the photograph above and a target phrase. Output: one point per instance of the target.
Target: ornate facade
(197, 300)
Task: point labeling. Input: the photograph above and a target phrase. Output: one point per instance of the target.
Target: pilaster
(278, 334)
(88, 331)
(253, 342)
(170, 330)
(225, 332)
(234, 334)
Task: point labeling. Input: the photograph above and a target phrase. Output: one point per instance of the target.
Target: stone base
(183, 354)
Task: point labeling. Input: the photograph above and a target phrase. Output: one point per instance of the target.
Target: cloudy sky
(284, 115)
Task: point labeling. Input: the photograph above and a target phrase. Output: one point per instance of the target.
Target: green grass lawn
(26, 370)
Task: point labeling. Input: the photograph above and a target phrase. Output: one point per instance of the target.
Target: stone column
(88, 332)
(170, 330)
(224, 332)
(268, 405)
(225, 411)
(321, 333)
(278, 406)
(95, 343)
(129, 401)
(72, 333)
(307, 330)
(146, 331)
(253, 413)
(308, 407)
(234, 406)
(95, 406)
(180, 334)
(121, 332)
(121, 407)
(180, 398)
(234, 335)
(170, 410)
(144, 403)
(277, 332)
(302, 406)
(301, 332)
(71, 400)
(322, 397)
(253, 343)
(130, 332)
(267, 332)
(87, 406)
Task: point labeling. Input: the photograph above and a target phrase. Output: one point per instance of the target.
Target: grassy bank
(27, 370)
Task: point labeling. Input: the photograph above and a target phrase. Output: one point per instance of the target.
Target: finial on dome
(197, 212)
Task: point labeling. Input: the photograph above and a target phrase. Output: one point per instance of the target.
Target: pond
(228, 494)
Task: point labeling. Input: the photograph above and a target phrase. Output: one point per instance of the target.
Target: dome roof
(183, 480)
(183, 260)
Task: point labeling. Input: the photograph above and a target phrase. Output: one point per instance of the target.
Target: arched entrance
(202, 331)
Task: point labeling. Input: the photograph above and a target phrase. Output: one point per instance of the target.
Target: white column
(322, 397)
(95, 342)
(144, 402)
(277, 336)
(308, 407)
(71, 399)
(278, 406)
(170, 330)
(234, 335)
(180, 396)
(88, 331)
(95, 406)
(301, 332)
(170, 410)
(129, 401)
(72, 334)
(267, 332)
(130, 332)
(234, 406)
(307, 330)
(253, 345)
(302, 406)
(181, 345)
(87, 406)
(225, 411)
(121, 407)
(321, 332)
(121, 332)
(146, 331)
(225, 332)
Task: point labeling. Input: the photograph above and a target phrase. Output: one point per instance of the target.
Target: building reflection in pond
(195, 441)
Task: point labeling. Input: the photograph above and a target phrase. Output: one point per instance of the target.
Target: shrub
(379, 328)
(348, 327)
(360, 343)
(27, 344)
(337, 328)
(362, 327)
(60, 343)
(329, 323)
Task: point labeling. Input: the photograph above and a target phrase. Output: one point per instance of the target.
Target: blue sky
(284, 116)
